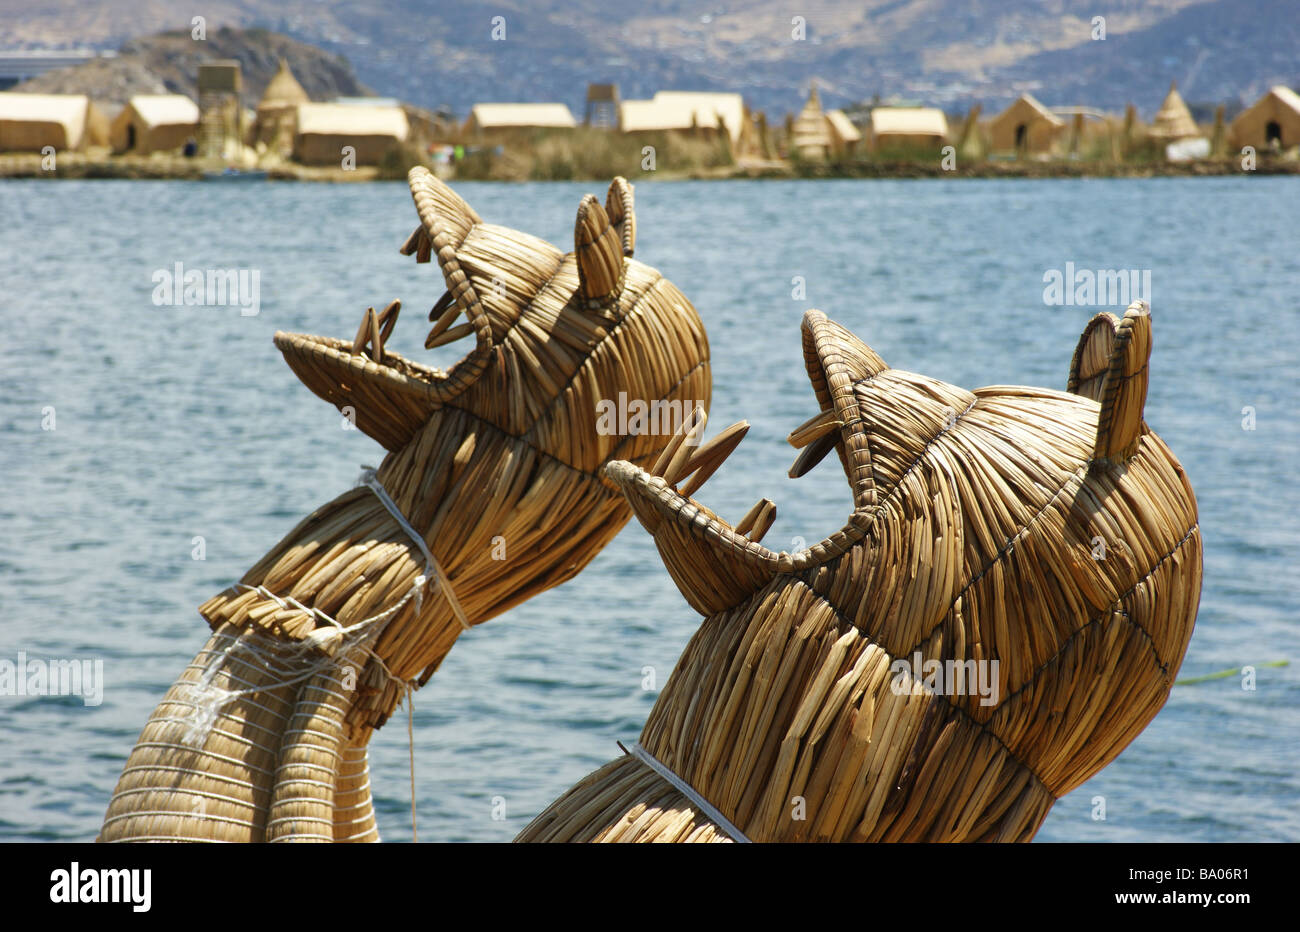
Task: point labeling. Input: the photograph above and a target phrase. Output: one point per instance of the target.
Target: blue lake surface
(176, 422)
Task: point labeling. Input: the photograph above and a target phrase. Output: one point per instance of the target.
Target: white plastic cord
(209, 699)
(370, 479)
(703, 805)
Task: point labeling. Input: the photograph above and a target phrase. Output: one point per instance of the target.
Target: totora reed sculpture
(490, 492)
(1004, 611)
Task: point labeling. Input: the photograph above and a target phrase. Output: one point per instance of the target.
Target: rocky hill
(948, 52)
(168, 63)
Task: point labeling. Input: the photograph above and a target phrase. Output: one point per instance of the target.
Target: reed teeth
(387, 321)
(449, 336)
(374, 330)
(706, 460)
(675, 443)
(440, 308)
(418, 243)
(692, 430)
(666, 456)
(376, 341)
(814, 429)
(412, 241)
(369, 329)
(813, 454)
(758, 520)
(440, 334)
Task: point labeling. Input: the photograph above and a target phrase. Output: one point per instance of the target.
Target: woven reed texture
(496, 465)
(1050, 532)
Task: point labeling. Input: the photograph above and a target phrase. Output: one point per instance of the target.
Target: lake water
(177, 422)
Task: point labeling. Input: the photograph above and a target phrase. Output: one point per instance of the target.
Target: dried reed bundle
(494, 465)
(1042, 546)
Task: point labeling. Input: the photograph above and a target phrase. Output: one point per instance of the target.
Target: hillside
(168, 63)
(949, 52)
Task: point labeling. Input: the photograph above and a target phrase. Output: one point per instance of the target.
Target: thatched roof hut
(1025, 126)
(1173, 120)
(651, 116)
(1274, 119)
(684, 110)
(844, 135)
(908, 126)
(810, 136)
(507, 118)
(30, 122)
(818, 133)
(283, 90)
(155, 123)
(725, 108)
(323, 130)
(277, 111)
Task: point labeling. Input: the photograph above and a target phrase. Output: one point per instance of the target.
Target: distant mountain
(947, 52)
(1223, 50)
(168, 63)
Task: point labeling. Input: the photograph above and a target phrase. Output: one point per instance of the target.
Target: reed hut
(497, 121)
(649, 116)
(155, 123)
(907, 128)
(710, 108)
(324, 130)
(68, 122)
(489, 493)
(1026, 127)
(1004, 610)
(679, 111)
(277, 112)
(844, 135)
(971, 144)
(818, 135)
(1173, 121)
(1271, 122)
(810, 135)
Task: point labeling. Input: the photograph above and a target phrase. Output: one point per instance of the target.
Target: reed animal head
(496, 460)
(490, 493)
(554, 333)
(1003, 612)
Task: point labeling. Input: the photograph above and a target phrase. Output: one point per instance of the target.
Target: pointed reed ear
(622, 213)
(599, 253)
(445, 222)
(440, 208)
(1091, 357)
(1122, 393)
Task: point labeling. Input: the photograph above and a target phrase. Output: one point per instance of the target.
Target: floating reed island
(490, 492)
(1004, 611)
